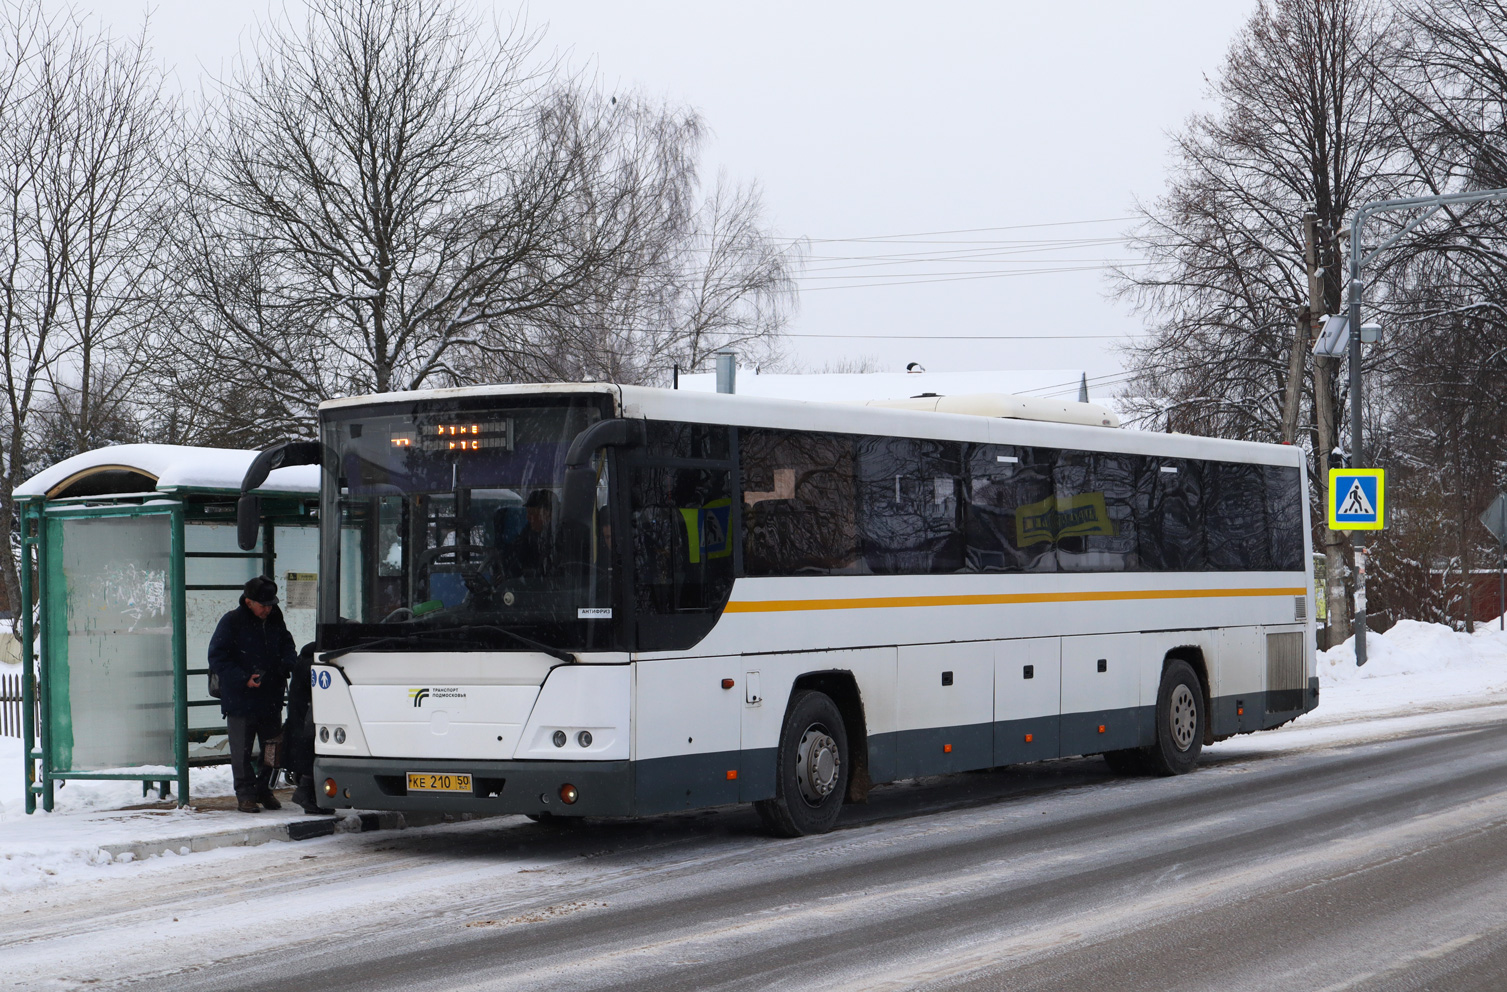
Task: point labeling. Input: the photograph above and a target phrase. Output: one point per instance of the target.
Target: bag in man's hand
(272, 752)
(214, 684)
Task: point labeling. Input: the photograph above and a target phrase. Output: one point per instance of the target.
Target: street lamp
(1431, 205)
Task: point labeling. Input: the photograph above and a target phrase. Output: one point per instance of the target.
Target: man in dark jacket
(252, 654)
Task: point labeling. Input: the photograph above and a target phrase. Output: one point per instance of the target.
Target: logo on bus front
(419, 695)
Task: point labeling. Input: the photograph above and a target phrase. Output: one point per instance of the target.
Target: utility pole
(1292, 398)
(1332, 543)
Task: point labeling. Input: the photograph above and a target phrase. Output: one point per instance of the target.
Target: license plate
(438, 782)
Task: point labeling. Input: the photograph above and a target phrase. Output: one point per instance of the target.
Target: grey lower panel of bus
(692, 781)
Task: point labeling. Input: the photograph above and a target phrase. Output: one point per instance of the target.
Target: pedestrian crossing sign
(1356, 498)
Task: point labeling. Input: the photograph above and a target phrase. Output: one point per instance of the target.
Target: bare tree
(1300, 123)
(395, 198)
(81, 121)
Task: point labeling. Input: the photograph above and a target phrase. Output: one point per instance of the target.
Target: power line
(960, 337)
(972, 230)
(1091, 263)
(917, 281)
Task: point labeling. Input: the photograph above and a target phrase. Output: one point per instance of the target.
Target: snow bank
(1411, 668)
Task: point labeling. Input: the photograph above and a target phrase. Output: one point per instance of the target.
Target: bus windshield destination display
(456, 437)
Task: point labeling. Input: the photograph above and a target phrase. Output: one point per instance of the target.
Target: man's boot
(268, 800)
(303, 796)
(247, 806)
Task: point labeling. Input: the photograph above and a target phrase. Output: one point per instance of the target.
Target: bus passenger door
(1027, 699)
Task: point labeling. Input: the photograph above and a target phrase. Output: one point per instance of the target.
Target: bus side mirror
(580, 493)
(248, 521)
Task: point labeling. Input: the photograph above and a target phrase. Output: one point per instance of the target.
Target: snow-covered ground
(1418, 676)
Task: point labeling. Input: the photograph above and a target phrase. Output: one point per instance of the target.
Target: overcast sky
(1023, 132)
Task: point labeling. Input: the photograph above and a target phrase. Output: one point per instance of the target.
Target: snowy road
(1307, 859)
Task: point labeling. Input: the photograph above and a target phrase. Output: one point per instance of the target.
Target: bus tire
(811, 771)
(1180, 721)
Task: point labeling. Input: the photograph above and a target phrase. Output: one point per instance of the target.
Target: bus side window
(1235, 517)
(800, 514)
(1170, 515)
(1284, 513)
(682, 550)
(1095, 494)
(908, 514)
(1008, 509)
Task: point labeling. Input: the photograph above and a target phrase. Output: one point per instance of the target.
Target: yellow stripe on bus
(888, 602)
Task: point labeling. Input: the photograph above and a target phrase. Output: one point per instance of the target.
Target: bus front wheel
(811, 776)
(1180, 720)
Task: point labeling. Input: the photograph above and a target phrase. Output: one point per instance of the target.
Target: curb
(287, 830)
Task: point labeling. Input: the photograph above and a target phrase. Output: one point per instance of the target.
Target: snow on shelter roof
(169, 468)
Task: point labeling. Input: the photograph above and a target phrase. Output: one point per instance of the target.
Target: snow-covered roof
(173, 466)
(860, 387)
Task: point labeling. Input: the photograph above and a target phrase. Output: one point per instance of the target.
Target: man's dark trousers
(251, 778)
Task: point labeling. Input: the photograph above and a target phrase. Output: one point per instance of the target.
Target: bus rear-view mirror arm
(248, 510)
(580, 476)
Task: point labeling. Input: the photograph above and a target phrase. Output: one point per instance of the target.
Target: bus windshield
(450, 519)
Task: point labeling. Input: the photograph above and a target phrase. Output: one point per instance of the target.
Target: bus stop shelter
(128, 560)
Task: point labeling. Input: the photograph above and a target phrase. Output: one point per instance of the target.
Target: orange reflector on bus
(568, 794)
(1240, 711)
(946, 748)
(727, 683)
(1029, 738)
(732, 774)
(1101, 728)
(330, 788)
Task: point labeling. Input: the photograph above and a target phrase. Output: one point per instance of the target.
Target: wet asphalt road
(1371, 866)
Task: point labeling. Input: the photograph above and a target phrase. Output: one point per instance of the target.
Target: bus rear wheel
(811, 775)
(1180, 721)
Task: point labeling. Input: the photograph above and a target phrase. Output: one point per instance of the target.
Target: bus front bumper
(602, 788)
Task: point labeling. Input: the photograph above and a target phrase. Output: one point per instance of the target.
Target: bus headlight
(584, 738)
(559, 738)
(324, 737)
(339, 735)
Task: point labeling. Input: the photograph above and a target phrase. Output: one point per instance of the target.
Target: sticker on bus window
(594, 613)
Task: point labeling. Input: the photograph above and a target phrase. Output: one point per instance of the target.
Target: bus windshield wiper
(362, 645)
(461, 629)
(527, 642)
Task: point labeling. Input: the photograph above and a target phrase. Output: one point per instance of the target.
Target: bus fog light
(330, 789)
(559, 738)
(339, 735)
(568, 794)
(584, 738)
(324, 735)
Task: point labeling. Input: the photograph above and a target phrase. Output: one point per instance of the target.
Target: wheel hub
(816, 765)
(1183, 717)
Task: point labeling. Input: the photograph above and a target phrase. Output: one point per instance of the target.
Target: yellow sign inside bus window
(1057, 517)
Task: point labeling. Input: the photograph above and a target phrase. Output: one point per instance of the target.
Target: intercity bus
(575, 600)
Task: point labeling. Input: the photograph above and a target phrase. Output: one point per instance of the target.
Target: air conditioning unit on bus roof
(1007, 405)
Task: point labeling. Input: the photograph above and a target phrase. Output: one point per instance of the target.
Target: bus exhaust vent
(1300, 608)
(1285, 672)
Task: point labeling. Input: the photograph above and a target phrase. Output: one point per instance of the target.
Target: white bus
(601, 600)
